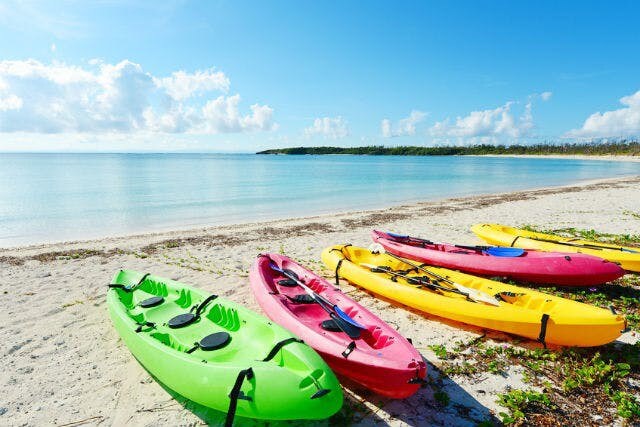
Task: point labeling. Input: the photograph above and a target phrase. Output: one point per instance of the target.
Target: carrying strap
(339, 261)
(278, 346)
(204, 303)
(235, 395)
(337, 276)
(514, 241)
(128, 288)
(543, 329)
(143, 324)
(349, 349)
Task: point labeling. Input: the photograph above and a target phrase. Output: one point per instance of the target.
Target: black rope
(341, 248)
(204, 303)
(543, 329)
(514, 241)
(128, 288)
(337, 276)
(278, 346)
(142, 325)
(235, 395)
(349, 349)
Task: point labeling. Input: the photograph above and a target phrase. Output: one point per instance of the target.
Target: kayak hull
(280, 388)
(568, 323)
(497, 234)
(553, 268)
(382, 360)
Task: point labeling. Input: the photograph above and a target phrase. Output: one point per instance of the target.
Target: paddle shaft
(429, 284)
(581, 245)
(490, 250)
(339, 321)
(308, 290)
(473, 294)
(416, 266)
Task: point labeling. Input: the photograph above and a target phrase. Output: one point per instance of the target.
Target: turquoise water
(52, 197)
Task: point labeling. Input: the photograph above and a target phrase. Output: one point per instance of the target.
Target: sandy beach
(64, 363)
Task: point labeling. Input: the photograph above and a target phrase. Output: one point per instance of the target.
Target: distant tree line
(629, 148)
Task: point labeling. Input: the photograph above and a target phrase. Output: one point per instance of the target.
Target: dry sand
(62, 361)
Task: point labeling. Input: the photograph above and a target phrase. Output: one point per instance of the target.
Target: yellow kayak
(627, 256)
(520, 311)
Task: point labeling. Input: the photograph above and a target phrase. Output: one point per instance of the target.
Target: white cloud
(122, 97)
(487, 125)
(181, 85)
(329, 127)
(546, 95)
(11, 102)
(406, 126)
(617, 123)
(53, 48)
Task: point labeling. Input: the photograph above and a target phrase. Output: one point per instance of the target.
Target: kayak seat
(185, 319)
(181, 320)
(287, 283)
(330, 325)
(301, 299)
(151, 302)
(212, 342)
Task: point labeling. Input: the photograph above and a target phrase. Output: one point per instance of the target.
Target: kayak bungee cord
(500, 251)
(474, 294)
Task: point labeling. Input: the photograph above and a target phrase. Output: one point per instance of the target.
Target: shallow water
(51, 197)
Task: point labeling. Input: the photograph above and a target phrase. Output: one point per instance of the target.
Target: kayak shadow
(214, 417)
(439, 402)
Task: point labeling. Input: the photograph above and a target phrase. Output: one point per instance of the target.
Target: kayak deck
(222, 349)
(556, 268)
(627, 257)
(521, 311)
(380, 358)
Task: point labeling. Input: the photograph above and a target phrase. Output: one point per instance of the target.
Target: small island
(619, 148)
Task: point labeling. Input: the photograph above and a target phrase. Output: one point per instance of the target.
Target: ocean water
(54, 197)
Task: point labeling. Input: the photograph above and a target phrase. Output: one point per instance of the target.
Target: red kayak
(379, 359)
(555, 268)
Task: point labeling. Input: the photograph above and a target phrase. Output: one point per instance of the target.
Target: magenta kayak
(554, 268)
(380, 359)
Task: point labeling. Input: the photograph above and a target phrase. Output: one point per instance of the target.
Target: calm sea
(52, 197)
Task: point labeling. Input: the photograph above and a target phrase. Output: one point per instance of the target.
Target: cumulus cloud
(487, 125)
(546, 95)
(406, 126)
(122, 97)
(181, 85)
(11, 102)
(329, 127)
(623, 122)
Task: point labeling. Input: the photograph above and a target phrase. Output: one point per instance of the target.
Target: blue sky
(240, 76)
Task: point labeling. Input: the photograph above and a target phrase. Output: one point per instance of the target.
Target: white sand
(63, 361)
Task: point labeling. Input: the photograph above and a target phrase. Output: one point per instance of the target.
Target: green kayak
(218, 353)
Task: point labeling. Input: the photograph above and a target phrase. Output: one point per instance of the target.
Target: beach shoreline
(191, 231)
(605, 157)
(66, 363)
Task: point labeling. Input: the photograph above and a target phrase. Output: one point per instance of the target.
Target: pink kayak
(379, 359)
(557, 268)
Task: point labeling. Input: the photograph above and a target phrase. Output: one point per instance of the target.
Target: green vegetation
(518, 401)
(623, 147)
(439, 350)
(565, 381)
